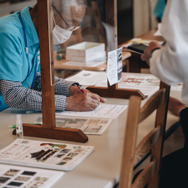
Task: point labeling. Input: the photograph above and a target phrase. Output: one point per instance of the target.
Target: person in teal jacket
(20, 81)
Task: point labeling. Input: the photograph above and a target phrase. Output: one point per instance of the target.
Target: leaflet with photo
(16, 176)
(88, 125)
(43, 154)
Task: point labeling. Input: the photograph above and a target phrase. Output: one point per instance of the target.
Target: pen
(79, 86)
(81, 89)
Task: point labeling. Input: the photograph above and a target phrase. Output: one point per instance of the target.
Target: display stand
(114, 92)
(49, 129)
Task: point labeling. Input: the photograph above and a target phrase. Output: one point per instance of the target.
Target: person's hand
(146, 55)
(95, 96)
(74, 90)
(83, 101)
(175, 106)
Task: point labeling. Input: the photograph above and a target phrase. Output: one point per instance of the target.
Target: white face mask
(60, 35)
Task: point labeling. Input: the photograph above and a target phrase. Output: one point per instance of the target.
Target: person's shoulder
(10, 24)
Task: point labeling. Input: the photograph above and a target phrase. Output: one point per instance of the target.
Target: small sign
(114, 66)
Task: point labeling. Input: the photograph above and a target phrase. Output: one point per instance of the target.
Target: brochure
(87, 125)
(15, 176)
(43, 154)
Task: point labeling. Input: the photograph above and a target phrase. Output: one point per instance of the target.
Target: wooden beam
(48, 129)
(46, 56)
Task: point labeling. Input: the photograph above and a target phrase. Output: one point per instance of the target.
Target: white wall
(141, 16)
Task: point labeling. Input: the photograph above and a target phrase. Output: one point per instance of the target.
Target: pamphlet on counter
(145, 83)
(44, 154)
(87, 125)
(24, 177)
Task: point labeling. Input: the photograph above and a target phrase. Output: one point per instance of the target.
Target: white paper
(177, 87)
(15, 176)
(114, 66)
(146, 83)
(44, 154)
(102, 111)
(88, 78)
(88, 125)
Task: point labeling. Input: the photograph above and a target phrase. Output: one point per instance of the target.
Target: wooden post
(47, 70)
(48, 129)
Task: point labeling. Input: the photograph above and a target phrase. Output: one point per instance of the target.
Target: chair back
(152, 142)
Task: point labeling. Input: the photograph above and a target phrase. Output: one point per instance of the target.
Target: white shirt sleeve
(170, 63)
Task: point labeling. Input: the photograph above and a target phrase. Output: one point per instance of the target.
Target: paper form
(102, 111)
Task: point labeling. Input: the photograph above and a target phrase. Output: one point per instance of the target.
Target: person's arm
(169, 63)
(176, 106)
(16, 96)
(62, 87)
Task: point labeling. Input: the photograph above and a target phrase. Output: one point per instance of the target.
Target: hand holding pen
(76, 89)
(82, 100)
(82, 89)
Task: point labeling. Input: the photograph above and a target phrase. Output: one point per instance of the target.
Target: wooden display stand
(49, 129)
(114, 92)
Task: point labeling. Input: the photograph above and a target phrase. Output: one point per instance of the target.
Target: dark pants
(175, 165)
(174, 170)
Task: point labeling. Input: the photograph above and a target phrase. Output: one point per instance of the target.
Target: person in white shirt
(169, 64)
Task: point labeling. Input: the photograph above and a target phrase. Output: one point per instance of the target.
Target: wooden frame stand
(114, 92)
(49, 129)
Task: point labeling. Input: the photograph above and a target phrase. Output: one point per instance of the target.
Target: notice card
(22, 177)
(43, 154)
(114, 66)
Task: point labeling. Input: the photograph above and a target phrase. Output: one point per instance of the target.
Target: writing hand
(83, 101)
(95, 96)
(74, 90)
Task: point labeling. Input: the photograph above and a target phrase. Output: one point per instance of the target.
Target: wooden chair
(152, 142)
